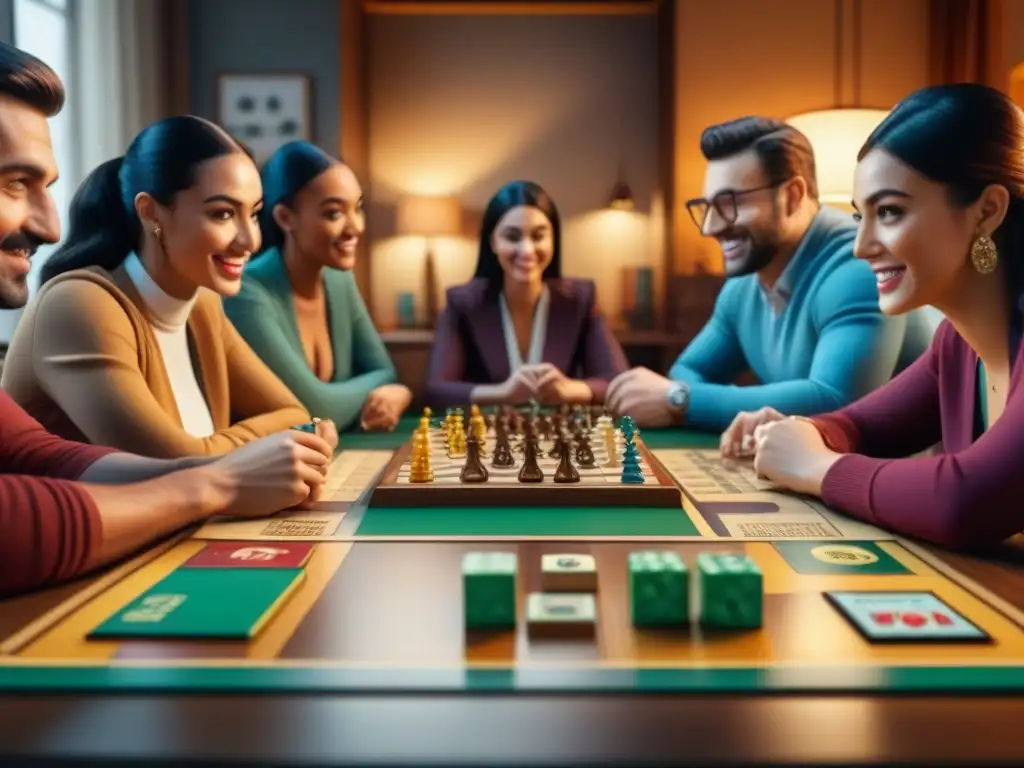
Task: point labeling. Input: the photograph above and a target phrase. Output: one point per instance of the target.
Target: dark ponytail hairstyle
(287, 171)
(161, 161)
(513, 195)
(966, 136)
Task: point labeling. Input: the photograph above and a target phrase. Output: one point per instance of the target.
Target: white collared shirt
(537, 336)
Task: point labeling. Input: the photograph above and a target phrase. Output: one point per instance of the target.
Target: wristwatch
(678, 398)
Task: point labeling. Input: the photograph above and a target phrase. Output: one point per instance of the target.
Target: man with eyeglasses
(798, 310)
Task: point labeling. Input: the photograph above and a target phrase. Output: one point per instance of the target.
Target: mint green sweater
(264, 314)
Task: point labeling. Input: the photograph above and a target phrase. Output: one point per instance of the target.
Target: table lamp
(429, 218)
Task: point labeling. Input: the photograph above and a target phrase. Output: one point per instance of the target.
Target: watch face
(677, 397)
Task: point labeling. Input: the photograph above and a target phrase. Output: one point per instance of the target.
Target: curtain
(964, 42)
(130, 73)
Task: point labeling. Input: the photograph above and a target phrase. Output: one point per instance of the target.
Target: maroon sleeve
(966, 499)
(28, 449)
(48, 529)
(48, 524)
(603, 358)
(445, 387)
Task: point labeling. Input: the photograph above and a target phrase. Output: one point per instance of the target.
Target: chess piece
(530, 471)
(631, 471)
(565, 472)
(420, 470)
(558, 447)
(584, 453)
(457, 440)
(473, 471)
(502, 451)
(478, 428)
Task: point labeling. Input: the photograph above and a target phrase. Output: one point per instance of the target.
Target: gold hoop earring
(984, 255)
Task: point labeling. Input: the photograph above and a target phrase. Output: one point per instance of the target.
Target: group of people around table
(198, 340)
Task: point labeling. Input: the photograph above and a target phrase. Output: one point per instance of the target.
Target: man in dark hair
(30, 92)
(798, 309)
(66, 507)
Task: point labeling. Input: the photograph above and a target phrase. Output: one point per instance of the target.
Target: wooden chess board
(599, 485)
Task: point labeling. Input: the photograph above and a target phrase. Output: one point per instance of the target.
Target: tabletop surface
(369, 663)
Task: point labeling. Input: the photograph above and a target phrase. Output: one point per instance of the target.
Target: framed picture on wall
(265, 111)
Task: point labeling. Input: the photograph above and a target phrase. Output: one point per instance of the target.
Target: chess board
(600, 485)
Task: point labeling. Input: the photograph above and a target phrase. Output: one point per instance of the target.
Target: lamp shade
(836, 135)
(430, 217)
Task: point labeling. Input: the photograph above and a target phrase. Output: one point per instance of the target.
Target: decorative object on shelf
(265, 112)
(837, 133)
(406, 311)
(430, 218)
(638, 298)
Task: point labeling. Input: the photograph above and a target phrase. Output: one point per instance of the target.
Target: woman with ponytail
(127, 345)
(300, 308)
(939, 192)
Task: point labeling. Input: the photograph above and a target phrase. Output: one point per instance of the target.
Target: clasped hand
(546, 384)
(788, 452)
(384, 406)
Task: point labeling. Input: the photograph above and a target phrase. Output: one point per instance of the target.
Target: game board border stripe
(736, 680)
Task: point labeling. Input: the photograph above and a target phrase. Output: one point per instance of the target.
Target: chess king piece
(565, 472)
(473, 471)
(530, 471)
(420, 470)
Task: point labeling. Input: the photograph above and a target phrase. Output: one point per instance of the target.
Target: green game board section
(849, 558)
(313, 679)
(526, 521)
(388, 441)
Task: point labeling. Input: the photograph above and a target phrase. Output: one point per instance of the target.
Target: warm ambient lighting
(430, 217)
(837, 136)
(622, 197)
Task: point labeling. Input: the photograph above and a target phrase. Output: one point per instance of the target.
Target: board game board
(599, 485)
(837, 617)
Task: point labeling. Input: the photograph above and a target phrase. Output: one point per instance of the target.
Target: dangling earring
(984, 255)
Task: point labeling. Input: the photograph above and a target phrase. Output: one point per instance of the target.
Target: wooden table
(392, 603)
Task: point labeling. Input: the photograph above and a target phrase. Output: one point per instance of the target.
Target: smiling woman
(299, 306)
(126, 344)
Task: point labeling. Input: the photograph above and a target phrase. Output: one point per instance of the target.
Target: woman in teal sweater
(299, 307)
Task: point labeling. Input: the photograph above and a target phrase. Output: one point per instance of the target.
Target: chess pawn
(530, 471)
(473, 471)
(502, 451)
(631, 471)
(457, 444)
(478, 427)
(565, 472)
(420, 470)
(584, 453)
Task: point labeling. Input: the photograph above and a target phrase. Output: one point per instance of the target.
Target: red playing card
(914, 619)
(941, 618)
(882, 618)
(251, 554)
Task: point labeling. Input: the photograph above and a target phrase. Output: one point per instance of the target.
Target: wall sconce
(430, 218)
(622, 197)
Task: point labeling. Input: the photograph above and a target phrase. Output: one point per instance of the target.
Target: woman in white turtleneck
(127, 344)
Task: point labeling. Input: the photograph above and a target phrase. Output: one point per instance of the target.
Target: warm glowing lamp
(430, 217)
(836, 135)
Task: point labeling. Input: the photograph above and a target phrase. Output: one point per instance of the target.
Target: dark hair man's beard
(14, 290)
(761, 247)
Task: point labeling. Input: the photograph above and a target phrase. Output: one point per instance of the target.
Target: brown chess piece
(530, 471)
(502, 450)
(473, 471)
(558, 447)
(584, 453)
(565, 472)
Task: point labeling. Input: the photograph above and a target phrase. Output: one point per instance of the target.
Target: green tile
(852, 558)
(658, 589)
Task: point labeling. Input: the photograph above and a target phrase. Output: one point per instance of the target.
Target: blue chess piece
(631, 472)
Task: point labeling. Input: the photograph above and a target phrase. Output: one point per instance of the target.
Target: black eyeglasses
(725, 204)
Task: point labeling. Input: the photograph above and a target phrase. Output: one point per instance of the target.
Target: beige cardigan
(85, 363)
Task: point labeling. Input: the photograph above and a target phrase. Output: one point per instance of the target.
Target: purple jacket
(469, 344)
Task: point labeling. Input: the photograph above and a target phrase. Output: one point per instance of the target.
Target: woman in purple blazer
(519, 330)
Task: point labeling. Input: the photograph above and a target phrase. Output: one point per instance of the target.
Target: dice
(489, 590)
(731, 591)
(658, 589)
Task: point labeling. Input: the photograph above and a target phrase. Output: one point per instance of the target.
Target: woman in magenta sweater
(939, 192)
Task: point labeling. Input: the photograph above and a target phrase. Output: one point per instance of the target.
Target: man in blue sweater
(798, 309)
